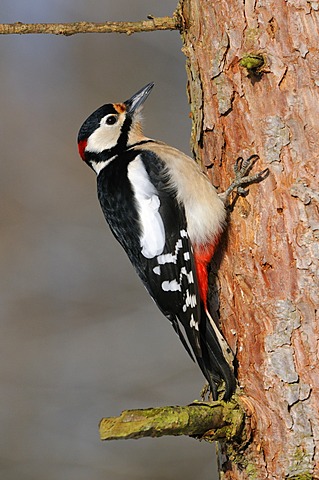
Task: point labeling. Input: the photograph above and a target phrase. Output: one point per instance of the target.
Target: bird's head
(112, 128)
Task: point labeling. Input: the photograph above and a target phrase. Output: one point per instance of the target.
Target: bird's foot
(242, 179)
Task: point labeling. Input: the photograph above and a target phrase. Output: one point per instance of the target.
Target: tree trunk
(268, 271)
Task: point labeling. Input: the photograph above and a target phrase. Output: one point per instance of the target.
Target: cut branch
(209, 421)
(152, 24)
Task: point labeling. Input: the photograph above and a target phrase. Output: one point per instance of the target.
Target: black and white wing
(166, 257)
(153, 232)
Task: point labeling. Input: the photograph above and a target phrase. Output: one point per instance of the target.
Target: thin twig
(153, 23)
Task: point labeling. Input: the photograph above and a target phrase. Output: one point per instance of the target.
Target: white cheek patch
(104, 138)
(148, 203)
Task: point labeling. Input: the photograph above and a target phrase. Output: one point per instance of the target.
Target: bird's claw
(242, 179)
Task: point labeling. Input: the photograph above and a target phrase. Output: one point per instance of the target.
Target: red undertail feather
(203, 256)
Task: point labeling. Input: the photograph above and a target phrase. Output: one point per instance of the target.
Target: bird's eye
(110, 120)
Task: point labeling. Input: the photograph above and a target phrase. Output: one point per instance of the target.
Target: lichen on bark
(205, 421)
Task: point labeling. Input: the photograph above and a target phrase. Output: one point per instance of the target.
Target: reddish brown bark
(269, 269)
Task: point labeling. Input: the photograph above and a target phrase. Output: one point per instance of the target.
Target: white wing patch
(172, 286)
(148, 203)
(193, 323)
(170, 257)
(190, 276)
(190, 301)
(186, 256)
(166, 258)
(177, 284)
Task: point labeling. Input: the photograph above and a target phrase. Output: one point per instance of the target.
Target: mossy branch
(152, 24)
(208, 421)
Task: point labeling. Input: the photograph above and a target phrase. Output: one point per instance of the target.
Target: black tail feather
(177, 329)
(213, 363)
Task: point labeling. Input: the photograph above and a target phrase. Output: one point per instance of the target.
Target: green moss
(252, 472)
(299, 455)
(252, 62)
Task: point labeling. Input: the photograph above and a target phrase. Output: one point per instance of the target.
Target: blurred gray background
(80, 338)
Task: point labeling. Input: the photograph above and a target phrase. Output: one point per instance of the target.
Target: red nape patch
(202, 258)
(81, 146)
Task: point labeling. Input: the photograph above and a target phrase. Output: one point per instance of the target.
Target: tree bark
(269, 259)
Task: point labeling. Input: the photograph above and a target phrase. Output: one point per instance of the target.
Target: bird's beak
(137, 100)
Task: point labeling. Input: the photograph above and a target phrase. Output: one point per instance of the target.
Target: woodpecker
(168, 218)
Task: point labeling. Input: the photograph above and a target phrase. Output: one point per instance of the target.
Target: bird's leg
(241, 169)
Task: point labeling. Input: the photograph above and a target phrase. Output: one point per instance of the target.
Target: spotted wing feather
(168, 275)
